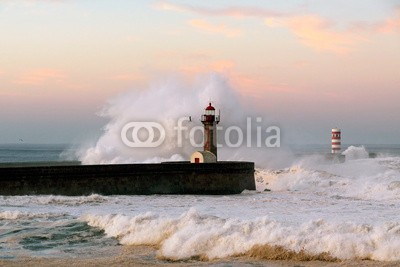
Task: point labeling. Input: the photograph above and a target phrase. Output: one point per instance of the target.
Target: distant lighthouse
(336, 141)
(210, 121)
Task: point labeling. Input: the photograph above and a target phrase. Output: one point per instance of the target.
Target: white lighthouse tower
(336, 141)
(210, 121)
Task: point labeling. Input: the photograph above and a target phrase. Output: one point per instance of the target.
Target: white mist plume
(353, 152)
(165, 103)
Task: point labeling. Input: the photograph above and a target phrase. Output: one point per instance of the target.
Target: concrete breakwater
(128, 179)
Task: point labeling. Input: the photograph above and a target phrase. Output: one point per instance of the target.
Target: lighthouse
(210, 121)
(336, 141)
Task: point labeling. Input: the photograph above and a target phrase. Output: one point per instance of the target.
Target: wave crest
(208, 237)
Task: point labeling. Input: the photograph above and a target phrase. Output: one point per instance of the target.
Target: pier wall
(129, 179)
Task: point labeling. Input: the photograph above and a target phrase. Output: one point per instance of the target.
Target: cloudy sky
(309, 65)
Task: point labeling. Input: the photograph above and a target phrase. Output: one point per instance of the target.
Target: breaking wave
(174, 100)
(353, 152)
(178, 101)
(359, 177)
(196, 236)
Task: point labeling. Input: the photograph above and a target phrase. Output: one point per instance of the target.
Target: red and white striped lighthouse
(210, 121)
(336, 141)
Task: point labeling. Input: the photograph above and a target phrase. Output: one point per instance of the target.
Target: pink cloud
(318, 33)
(311, 30)
(234, 11)
(222, 65)
(213, 28)
(164, 5)
(41, 76)
(391, 24)
(322, 35)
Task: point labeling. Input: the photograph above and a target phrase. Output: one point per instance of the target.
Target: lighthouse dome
(210, 107)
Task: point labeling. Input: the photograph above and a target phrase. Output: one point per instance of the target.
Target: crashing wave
(193, 235)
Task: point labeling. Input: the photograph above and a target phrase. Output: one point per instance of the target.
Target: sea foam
(360, 177)
(193, 235)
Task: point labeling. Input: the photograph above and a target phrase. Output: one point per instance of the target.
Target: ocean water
(348, 211)
(10, 153)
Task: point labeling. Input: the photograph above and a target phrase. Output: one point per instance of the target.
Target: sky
(308, 65)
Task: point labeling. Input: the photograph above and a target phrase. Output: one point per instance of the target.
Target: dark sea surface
(31, 152)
